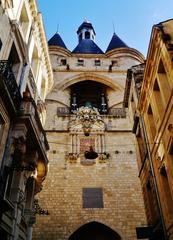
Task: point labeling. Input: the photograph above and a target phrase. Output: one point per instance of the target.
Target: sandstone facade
(25, 79)
(114, 171)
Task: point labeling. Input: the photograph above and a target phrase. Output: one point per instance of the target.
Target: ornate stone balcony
(8, 86)
(28, 112)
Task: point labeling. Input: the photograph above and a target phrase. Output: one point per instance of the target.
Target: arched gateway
(94, 231)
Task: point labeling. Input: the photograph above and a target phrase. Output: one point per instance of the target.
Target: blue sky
(133, 19)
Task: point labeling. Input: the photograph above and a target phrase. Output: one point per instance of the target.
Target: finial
(113, 27)
(85, 20)
(57, 28)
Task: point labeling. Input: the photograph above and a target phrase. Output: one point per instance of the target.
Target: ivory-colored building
(92, 190)
(155, 105)
(153, 123)
(25, 79)
(154, 228)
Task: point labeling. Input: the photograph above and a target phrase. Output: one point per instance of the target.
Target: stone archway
(90, 77)
(94, 231)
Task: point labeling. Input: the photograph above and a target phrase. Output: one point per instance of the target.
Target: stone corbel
(30, 165)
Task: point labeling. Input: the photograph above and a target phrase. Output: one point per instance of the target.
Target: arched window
(89, 92)
(87, 35)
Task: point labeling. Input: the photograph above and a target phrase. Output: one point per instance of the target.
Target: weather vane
(85, 20)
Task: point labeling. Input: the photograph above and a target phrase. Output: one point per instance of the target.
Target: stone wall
(62, 196)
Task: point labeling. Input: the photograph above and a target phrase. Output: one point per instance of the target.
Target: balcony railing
(10, 83)
(63, 111)
(115, 112)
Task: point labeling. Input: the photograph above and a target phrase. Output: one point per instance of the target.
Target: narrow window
(166, 190)
(97, 62)
(87, 35)
(63, 62)
(158, 99)
(151, 123)
(24, 20)
(114, 63)
(14, 61)
(80, 62)
(0, 44)
(164, 83)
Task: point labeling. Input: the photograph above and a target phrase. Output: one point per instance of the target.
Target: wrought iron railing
(62, 111)
(8, 77)
(117, 112)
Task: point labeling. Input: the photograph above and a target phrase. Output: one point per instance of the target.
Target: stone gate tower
(92, 190)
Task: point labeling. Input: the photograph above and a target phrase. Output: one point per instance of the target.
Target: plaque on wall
(92, 197)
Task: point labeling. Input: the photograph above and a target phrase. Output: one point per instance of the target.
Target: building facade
(92, 189)
(152, 111)
(25, 79)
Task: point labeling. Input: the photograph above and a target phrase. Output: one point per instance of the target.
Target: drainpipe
(154, 179)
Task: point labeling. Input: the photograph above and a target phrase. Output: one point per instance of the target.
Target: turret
(86, 31)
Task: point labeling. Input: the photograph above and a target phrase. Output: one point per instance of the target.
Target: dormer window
(97, 62)
(63, 62)
(80, 62)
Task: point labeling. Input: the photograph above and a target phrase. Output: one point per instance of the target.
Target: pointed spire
(56, 40)
(116, 42)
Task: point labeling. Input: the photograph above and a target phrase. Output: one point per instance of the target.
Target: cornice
(38, 20)
(56, 50)
(152, 57)
(126, 52)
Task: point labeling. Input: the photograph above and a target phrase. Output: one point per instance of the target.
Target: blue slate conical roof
(116, 42)
(56, 40)
(87, 46)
